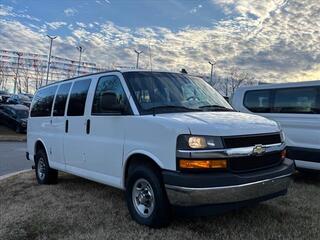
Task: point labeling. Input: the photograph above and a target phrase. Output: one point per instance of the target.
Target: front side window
(78, 97)
(109, 96)
(61, 99)
(296, 100)
(42, 103)
(258, 101)
(173, 92)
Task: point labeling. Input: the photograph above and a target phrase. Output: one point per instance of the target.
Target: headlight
(187, 142)
(197, 142)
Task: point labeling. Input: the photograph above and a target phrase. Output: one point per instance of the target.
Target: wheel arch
(39, 144)
(139, 157)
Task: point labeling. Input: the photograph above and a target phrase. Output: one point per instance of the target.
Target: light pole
(17, 72)
(49, 56)
(81, 50)
(138, 55)
(212, 63)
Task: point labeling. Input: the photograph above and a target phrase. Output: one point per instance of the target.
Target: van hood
(222, 123)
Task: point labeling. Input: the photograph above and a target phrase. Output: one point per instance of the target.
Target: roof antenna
(184, 71)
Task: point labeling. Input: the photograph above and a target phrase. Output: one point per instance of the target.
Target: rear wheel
(44, 174)
(146, 197)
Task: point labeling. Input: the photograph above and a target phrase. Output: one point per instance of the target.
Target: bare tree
(39, 73)
(2, 75)
(25, 79)
(36, 71)
(236, 79)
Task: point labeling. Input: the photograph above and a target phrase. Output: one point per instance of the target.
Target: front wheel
(146, 197)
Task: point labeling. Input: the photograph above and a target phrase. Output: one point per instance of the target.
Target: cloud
(5, 10)
(101, 2)
(273, 40)
(195, 9)
(81, 24)
(56, 25)
(8, 11)
(69, 12)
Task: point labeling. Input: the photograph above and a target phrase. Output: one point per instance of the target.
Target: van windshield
(162, 92)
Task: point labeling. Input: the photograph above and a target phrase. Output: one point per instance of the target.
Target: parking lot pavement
(13, 157)
(7, 134)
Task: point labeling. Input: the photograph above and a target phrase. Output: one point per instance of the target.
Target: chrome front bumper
(185, 196)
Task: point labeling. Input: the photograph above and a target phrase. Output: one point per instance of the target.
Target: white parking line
(13, 174)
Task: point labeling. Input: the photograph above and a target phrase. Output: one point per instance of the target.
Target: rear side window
(258, 101)
(42, 103)
(78, 96)
(61, 99)
(296, 100)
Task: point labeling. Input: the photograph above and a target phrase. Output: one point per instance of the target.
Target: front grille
(250, 163)
(251, 140)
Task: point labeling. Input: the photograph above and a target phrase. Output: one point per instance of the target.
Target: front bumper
(227, 187)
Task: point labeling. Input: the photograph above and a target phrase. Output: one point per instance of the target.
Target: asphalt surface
(13, 157)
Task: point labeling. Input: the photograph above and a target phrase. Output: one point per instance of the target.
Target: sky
(273, 40)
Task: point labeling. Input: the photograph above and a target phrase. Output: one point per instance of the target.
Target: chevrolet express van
(296, 107)
(166, 139)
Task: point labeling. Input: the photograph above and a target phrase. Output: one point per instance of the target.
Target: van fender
(138, 151)
(45, 148)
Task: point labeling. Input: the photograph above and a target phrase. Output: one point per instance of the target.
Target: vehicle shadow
(311, 178)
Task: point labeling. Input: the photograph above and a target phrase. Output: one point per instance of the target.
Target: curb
(12, 139)
(13, 174)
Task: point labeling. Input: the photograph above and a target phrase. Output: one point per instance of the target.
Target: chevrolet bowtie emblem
(258, 150)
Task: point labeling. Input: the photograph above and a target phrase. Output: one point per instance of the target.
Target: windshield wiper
(169, 107)
(216, 108)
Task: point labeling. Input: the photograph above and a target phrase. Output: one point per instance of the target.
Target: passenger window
(78, 97)
(296, 100)
(109, 96)
(258, 101)
(42, 103)
(61, 99)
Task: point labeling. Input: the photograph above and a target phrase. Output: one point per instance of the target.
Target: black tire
(161, 213)
(45, 175)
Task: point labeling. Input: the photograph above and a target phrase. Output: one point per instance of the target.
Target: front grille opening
(247, 141)
(252, 163)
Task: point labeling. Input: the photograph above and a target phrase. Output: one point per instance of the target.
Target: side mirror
(109, 103)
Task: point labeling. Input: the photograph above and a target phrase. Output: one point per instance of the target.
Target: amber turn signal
(202, 164)
(283, 154)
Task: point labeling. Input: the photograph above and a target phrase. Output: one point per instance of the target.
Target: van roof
(109, 71)
(281, 85)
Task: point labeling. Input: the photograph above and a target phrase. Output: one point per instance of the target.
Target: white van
(296, 107)
(167, 139)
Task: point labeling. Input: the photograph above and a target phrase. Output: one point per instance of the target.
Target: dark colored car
(29, 95)
(15, 117)
(19, 99)
(4, 96)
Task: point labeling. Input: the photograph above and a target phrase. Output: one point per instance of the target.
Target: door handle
(67, 126)
(88, 126)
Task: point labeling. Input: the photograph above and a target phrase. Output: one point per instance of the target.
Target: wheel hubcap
(143, 198)
(41, 168)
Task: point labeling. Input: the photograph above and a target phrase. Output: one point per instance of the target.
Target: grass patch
(81, 209)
